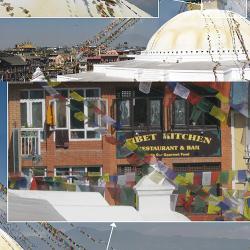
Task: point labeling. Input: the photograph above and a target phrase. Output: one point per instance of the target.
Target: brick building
(70, 147)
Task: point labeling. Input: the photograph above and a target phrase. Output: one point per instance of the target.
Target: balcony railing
(30, 143)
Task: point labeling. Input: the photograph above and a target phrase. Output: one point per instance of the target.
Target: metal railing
(30, 143)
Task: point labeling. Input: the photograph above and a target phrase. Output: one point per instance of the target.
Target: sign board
(177, 144)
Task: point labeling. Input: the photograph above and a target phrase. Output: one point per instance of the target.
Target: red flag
(33, 185)
(193, 98)
(150, 159)
(214, 177)
(222, 87)
(197, 178)
(111, 139)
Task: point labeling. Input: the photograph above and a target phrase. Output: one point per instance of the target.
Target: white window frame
(85, 110)
(29, 102)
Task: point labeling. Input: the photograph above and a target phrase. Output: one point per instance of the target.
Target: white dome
(201, 31)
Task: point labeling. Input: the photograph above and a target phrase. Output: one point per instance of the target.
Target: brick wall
(95, 152)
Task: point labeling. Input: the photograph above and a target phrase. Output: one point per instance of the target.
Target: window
(32, 106)
(138, 111)
(37, 171)
(79, 172)
(65, 110)
(32, 109)
(197, 167)
(185, 115)
(123, 169)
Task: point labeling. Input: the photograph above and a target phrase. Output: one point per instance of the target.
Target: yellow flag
(246, 212)
(53, 84)
(213, 209)
(222, 98)
(76, 96)
(218, 113)
(156, 177)
(181, 180)
(212, 204)
(130, 145)
(190, 178)
(106, 177)
(80, 116)
(50, 116)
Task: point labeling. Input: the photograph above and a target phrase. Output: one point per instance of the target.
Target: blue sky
(52, 32)
(3, 132)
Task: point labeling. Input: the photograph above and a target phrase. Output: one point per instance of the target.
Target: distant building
(13, 67)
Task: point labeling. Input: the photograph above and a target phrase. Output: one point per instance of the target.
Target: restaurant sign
(176, 144)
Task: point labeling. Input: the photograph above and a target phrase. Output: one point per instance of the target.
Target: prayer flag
(156, 176)
(181, 180)
(223, 206)
(113, 178)
(111, 139)
(171, 174)
(50, 90)
(193, 98)
(197, 178)
(214, 177)
(242, 176)
(130, 145)
(222, 98)
(218, 113)
(130, 177)
(181, 91)
(121, 180)
(50, 116)
(53, 84)
(206, 178)
(108, 120)
(205, 105)
(190, 177)
(80, 116)
(74, 95)
(106, 177)
(195, 115)
(224, 177)
(144, 87)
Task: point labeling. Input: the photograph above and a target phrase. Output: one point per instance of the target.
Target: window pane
(92, 93)
(23, 108)
(36, 94)
(180, 112)
(92, 115)
(38, 171)
(77, 135)
(124, 112)
(93, 135)
(75, 107)
(24, 95)
(140, 112)
(37, 115)
(155, 113)
(62, 171)
(61, 113)
(63, 93)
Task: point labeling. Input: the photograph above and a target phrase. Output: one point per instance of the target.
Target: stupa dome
(210, 31)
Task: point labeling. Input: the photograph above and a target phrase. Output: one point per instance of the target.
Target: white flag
(108, 120)
(206, 178)
(121, 180)
(156, 177)
(51, 90)
(101, 130)
(144, 87)
(181, 91)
